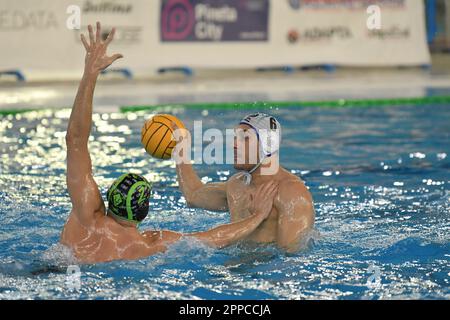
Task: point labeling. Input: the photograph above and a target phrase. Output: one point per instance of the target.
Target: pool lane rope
(340, 103)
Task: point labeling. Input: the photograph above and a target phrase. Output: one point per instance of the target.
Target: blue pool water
(380, 178)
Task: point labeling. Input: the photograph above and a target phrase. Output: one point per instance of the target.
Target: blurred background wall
(40, 39)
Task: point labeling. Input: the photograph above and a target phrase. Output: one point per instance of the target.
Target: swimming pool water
(380, 180)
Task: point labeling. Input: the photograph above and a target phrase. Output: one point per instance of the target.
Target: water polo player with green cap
(128, 198)
(97, 234)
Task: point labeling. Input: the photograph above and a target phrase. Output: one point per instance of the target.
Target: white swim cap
(268, 132)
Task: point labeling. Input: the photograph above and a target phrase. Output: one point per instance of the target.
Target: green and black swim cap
(128, 197)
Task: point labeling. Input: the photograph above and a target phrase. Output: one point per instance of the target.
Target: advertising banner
(213, 20)
(38, 37)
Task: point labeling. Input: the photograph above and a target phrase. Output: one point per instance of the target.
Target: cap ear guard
(270, 141)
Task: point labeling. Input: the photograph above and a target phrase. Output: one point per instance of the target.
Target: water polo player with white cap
(292, 211)
(268, 136)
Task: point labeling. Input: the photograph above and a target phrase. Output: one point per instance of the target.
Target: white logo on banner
(73, 22)
(374, 19)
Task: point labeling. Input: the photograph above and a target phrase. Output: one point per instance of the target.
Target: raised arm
(295, 214)
(228, 234)
(83, 190)
(210, 196)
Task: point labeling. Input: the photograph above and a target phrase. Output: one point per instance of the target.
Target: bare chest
(240, 204)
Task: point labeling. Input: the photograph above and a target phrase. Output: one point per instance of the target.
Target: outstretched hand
(96, 58)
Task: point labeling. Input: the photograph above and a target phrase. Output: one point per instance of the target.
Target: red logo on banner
(177, 19)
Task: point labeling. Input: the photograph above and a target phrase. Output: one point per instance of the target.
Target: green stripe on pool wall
(6, 112)
(349, 103)
(283, 104)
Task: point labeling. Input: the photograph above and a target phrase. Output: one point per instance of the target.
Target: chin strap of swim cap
(248, 174)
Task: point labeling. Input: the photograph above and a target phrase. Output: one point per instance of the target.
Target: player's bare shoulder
(291, 190)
